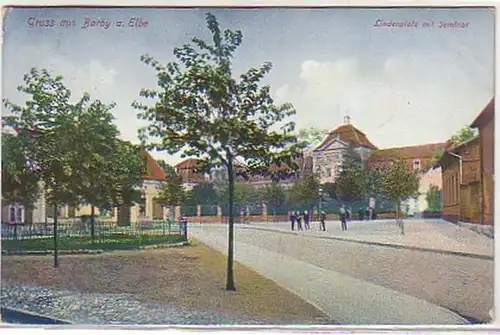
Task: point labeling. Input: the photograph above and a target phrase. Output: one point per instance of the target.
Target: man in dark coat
(322, 219)
(293, 218)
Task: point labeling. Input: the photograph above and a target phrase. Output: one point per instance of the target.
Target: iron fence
(80, 228)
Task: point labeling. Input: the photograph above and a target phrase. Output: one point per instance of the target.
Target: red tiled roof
(188, 163)
(416, 151)
(488, 112)
(153, 170)
(350, 134)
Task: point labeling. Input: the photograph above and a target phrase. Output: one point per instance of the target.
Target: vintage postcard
(247, 166)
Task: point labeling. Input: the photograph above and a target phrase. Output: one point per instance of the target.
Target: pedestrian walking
(322, 218)
(299, 221)
(306, 220)
(342, 215)
(293, 218)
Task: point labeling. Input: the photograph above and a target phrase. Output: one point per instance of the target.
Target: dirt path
(192, 277)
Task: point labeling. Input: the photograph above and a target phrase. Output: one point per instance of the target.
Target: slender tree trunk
(230, 277)
(92, 223)
(399, 219)
(56, 261)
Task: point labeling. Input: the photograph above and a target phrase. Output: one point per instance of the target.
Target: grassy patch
(112, 242)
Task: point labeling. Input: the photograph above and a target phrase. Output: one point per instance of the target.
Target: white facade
(328, 159)
(419, 204)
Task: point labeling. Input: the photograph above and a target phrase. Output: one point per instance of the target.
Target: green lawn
(111, 242)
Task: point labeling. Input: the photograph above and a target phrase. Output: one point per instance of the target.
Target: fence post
(56, 262)
(184, 224)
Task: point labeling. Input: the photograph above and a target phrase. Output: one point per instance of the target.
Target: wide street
(391, 282)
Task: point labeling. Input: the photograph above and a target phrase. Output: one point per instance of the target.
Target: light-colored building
(149, 208)
(420, 158)
(327, 157)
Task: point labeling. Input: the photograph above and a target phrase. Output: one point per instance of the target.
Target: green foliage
(438, 153)
(172, 192)
(48, 119)
(94, 170)
(330, 189)
(273, 195)
(244, 193)
(355, 181)
(463, 135)
(350, 184)
(433, 198)
(201, 110)
(20, 181)
(312, 135)
(202, 194)
(74, 146)
(127, 174)
(399, 182)
(305, 191)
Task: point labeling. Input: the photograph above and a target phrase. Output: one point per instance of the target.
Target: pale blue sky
(401, 86)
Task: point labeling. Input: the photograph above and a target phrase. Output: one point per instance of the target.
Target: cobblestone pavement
(106, 309)
(460, 284)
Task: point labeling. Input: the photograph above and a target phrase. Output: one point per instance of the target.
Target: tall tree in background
(433, 198)
(128, 170)
(20, 180)
(274, 195)
(96, 135)
(305, 191)
(463, 135)
(312, 136)
(399, 183)
(351, 182)
(202, 111)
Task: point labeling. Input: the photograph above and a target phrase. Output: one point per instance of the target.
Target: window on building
(328, 172)
(416, 164)
(12, 214)
(19, 214)
(16, 214)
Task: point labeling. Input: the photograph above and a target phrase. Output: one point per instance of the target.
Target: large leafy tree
(20, 180)
(305, 191)
(201, 110)
(202, 194)
(97, 137)
(274, 195)
(47, 118)
(128, 168)
(399, 182)
(351, 182)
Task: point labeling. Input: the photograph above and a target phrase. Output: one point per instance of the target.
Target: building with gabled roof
(327, 157)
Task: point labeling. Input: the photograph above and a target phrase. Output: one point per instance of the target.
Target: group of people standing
(344, 214)
(298, 217)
